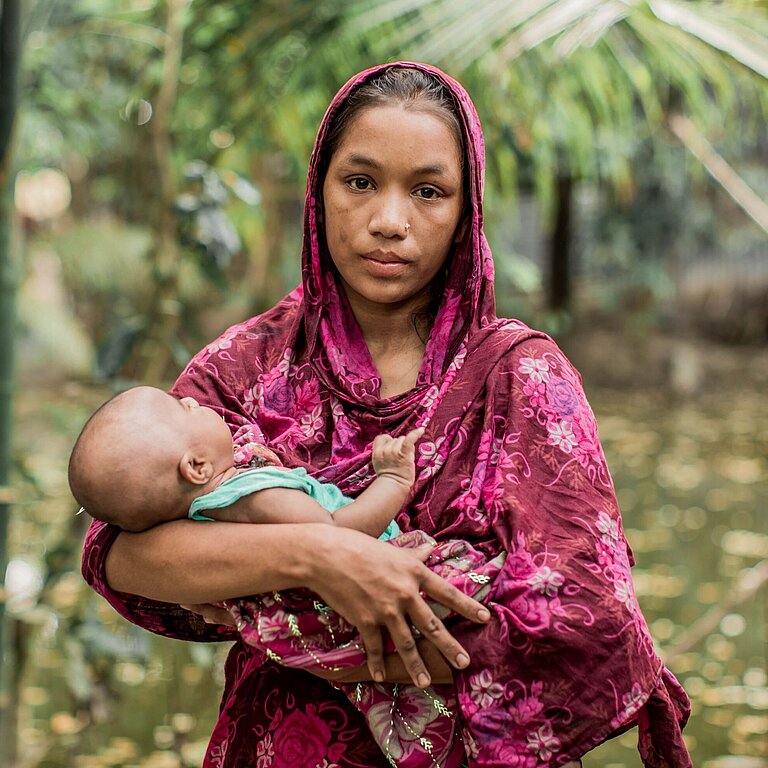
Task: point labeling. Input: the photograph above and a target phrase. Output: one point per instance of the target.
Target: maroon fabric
(510, 461)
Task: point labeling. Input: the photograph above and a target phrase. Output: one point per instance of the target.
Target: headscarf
(510, 461)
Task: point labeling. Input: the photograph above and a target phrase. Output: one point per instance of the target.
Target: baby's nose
(190, 401)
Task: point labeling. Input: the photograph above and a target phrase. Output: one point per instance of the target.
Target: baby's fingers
(408, 445)
(409, 441)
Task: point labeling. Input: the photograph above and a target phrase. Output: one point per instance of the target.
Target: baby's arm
(371, 512)
(394, 461)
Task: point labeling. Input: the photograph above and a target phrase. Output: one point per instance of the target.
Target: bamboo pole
(10, 55)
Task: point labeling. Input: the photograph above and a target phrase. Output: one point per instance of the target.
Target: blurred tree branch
(164, 309)
(747, 586)
(10, 56)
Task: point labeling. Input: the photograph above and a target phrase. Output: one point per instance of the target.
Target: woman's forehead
(393, 131)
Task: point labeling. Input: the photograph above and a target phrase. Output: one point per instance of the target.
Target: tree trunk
(10, 55)
(164, 311)
(559, 288)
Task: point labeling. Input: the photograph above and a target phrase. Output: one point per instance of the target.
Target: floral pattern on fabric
(510, 464)
(414, 728)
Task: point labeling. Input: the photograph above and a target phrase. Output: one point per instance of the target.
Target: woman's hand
(373, 585)
(396, 672)
(212, 614)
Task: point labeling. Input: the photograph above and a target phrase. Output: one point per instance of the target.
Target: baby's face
(201, 426)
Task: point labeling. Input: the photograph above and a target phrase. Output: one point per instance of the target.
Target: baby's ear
(195, 469)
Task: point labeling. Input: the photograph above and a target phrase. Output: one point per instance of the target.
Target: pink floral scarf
(510, 463)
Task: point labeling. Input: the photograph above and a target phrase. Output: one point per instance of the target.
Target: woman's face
(392, 203)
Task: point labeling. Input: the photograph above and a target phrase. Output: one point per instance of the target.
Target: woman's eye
(428, 193)
(359, 184)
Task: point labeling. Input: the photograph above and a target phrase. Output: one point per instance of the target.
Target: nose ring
(407, 227)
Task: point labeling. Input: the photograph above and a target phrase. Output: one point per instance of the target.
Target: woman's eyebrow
(356, 160)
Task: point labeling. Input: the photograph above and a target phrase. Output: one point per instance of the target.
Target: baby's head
(144, 456)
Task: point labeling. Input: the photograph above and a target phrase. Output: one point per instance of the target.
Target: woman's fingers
(370, 634)
(432, 629)
(405, 643)
(446, 594)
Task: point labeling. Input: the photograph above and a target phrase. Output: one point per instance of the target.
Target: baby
(146, 457)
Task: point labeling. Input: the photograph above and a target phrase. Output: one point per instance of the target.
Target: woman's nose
(390, 217)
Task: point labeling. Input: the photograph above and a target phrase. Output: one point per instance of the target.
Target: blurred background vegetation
(152, 167)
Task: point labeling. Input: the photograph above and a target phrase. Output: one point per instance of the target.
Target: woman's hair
(413, 89)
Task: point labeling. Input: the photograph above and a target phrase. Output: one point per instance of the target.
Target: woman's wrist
(318, 556)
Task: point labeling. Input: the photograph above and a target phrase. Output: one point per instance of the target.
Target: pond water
(692, 480)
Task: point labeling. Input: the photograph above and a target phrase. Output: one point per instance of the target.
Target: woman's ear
(195, 469)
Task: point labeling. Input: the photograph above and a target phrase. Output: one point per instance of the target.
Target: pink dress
(510, 463)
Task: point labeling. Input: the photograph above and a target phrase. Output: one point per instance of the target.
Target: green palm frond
(581, 76)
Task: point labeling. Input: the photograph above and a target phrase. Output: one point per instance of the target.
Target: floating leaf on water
(64, 724)
(750, 724)
(686, 662)
(162, 760)
(695, 686)
(193, 753)
(710, 592)
(717, 696)
(740, 469)
(668, 515)
(755, 677)
(733, 625)
(182, 722)
(694, 518)
(745, 543)
(718, 499)
(191, 674)
(130, 673)
(34, 696)
(712, 670)
(757, 698)
(67, 592)
(663, 629)
(125, 749)
(720, 648)
(650, 539)
(720, 717)
(659, 585)
(164, 736)
(681, 475)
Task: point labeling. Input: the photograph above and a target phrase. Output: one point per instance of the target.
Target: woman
(394, 326)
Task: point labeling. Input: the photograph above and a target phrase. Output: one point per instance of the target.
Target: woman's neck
(395, 336)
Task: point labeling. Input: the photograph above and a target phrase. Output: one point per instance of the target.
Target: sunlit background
(158, 180)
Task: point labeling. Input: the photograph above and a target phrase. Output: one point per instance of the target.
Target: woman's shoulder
(516, 347)
(244, 350)
(259, 335)
(513, 338)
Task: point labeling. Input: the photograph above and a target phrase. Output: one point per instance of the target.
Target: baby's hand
(395, 456)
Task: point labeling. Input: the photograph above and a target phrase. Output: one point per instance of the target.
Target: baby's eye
(428, 193)
(359, 183)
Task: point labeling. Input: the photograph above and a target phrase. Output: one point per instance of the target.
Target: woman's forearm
(373, 510)
(195, 562)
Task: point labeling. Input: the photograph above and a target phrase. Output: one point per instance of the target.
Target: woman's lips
(382, 264)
